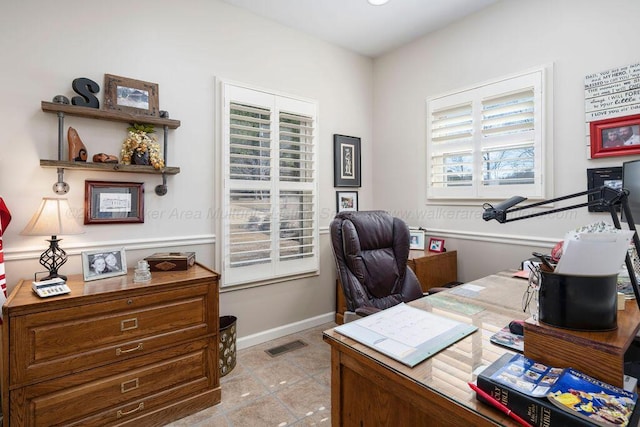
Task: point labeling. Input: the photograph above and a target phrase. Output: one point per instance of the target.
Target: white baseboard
(281, 331)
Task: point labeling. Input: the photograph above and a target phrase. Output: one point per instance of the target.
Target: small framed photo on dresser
(416, 239)
(436, 245)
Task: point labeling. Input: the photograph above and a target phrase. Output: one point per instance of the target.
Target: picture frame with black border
(597, 177)
(436, 245)
(103, 263)
(346, 201)
(131, 96)
(346, 161)
(416, 240)
(109, 202)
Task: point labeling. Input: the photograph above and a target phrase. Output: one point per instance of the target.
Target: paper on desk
(595, 254)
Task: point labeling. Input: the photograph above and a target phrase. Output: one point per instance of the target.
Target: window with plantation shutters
(270, 227)
(487, 141)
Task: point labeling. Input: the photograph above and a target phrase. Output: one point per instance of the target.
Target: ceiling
(358, 26)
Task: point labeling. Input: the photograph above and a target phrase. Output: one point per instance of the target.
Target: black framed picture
(346, 161)
(346, 201)
(597, 177)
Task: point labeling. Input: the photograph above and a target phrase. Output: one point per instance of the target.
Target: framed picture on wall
(346, 201)
(619, 136)
(597, 177)
(346, 161)
(113, 202)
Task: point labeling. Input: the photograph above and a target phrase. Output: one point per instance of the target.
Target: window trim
(277, 269)
(473, 96)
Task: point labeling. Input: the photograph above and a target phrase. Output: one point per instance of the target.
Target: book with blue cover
(568, 389)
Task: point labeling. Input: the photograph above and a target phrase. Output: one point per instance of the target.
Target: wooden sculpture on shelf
(105, 158)
(77, 150)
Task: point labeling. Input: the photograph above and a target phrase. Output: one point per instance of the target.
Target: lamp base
(54, 276)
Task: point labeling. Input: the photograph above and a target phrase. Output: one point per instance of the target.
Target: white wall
(577, 36)
(182, 46)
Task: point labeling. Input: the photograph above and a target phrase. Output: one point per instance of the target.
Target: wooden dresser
(113, 352)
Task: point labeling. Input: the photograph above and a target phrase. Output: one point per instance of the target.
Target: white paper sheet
(595, 254)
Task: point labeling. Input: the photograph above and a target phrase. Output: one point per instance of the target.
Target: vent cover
(281, 349)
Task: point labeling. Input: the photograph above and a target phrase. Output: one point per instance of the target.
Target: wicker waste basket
(227, 344)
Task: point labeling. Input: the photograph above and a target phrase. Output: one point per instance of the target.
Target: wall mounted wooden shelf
(111, 115)
(108, 167)
(114, 116)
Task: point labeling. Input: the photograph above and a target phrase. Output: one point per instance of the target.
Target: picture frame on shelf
(107, 202)
(436, 245)
(416, 239)
(131, 96)
(103, 263)
(619, 136)
(597, 177)
(346, 201)
(346, 161)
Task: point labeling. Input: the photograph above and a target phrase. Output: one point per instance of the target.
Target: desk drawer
(84, 336)
(128, 389)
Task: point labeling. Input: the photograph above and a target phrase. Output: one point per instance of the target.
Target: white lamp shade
(53, 218)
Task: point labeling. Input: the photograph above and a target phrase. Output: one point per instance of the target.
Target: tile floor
(292, 389)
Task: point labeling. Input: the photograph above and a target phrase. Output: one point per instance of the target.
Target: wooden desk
(432, 269)
(368, 388)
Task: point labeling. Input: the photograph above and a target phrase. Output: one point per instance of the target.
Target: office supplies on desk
(495, 403)
(405, 333)
(595, 254)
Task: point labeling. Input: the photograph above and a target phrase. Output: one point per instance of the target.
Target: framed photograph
(346, 201)
(103, 263)
(113, 202)
(619, 136)
(131, 96)
(416, 239)
(597, 177)
(346, 161)
(436, 245)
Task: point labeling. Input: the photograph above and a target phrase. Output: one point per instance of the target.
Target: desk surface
(443, 377)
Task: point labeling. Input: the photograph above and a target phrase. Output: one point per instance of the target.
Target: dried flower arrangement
(141, 147)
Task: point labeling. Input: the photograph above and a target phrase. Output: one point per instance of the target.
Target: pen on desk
(498, 405)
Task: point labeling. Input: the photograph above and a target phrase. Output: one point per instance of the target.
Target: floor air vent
(281, 349)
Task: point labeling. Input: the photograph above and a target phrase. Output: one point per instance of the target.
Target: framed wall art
(597, 177)
(619, 136)
(346, 201)
(436, 245)
(103, 263)
(416, 239)
(346, 161)
(113, 202)
(131, 96)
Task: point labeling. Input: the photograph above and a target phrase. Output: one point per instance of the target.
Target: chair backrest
(371, 249)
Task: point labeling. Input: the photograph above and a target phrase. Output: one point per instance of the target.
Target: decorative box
(171, 261)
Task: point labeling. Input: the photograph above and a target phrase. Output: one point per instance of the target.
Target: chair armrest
(365, 311)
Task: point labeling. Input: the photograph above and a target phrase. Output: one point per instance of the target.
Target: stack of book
(546, 396)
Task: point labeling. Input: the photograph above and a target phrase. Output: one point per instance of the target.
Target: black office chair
(371, 250)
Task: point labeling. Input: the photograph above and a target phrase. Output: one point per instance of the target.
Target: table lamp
(53, 218)
(604, 196)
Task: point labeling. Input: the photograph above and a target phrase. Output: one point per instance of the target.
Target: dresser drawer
(124, 390)
(89, 335)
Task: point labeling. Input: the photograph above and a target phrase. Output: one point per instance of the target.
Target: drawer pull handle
(129, 385)
(128, 324)
(119, 351)
(123, 413)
